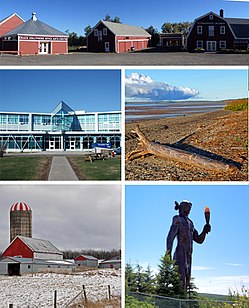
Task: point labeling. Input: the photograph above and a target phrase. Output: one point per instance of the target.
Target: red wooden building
(109, 36)
(213, 32)
(34, 37)
(27, 247)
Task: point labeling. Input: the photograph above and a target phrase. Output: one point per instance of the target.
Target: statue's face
(185, 208)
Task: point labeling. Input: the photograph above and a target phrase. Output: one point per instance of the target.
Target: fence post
(84, 291)
(109, 292)
(55, 299)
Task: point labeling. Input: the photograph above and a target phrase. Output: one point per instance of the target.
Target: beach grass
(237, 105)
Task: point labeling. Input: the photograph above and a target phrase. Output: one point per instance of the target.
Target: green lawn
(24, 168)
(109, 169)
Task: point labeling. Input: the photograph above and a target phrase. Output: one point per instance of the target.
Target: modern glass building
(62, 130)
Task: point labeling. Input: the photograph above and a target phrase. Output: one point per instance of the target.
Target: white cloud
(201, 268)
(221, 284)
(234, 264)
(139, 87)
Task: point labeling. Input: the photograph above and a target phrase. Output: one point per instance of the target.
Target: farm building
(114, 262)
(109, 36)
(33, 37)
(20, 220)
(171, 41)
(27, 247)
(18, 266)
(213, 32)
(61, 130)
(84, 260)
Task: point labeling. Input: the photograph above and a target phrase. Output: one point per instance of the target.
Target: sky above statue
(221, 262)
(76, 15)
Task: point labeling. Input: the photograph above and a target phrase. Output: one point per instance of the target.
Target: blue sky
(211, 84)
(42, 90)
(221, 262)
(76, 15)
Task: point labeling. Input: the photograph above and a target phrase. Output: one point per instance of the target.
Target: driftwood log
(167, 151)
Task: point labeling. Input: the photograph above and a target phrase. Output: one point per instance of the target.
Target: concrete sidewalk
(61, 170)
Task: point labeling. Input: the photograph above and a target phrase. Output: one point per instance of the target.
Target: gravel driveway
(136, 58)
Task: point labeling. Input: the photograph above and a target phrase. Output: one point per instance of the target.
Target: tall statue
(183, 228)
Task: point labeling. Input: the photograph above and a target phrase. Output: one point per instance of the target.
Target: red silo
(20, 220)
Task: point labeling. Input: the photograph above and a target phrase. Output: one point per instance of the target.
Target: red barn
(27, 247)
(109, 36)
(84, 260)
(213, 32)
(35, 37)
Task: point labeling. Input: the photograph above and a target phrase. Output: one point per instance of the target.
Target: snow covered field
(38, 290)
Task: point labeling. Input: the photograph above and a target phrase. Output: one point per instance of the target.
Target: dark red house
(34, 37)
(213, 32)
(109, 36)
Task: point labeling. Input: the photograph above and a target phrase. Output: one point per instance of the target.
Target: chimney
(34, 16)
(221, 13)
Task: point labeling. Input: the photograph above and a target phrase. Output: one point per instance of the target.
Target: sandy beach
(221, 135)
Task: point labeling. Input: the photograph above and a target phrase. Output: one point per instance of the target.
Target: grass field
(24, 168)
(109, 169)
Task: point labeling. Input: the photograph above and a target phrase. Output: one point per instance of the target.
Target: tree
(168, 278)
(176, 27)
(130, 278)
(87, 30)
(140, 279)
(107, 17)
(154, 36)
(149, 280)
(115, 19)
(166, 27)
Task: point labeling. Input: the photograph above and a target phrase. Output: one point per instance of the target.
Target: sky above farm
(41, 90)
(70, 216)
(76, 15)
(221, 262)
(188, 84)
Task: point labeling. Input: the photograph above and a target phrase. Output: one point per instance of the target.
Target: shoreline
(222, 135)
(170, 110)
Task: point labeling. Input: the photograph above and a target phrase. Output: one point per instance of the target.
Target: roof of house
(38, 245)
(87, 257)
(125, 30)
(240, 26)
(35, 27)
(6, 18)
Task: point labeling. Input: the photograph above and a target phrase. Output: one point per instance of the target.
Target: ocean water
(172, 109)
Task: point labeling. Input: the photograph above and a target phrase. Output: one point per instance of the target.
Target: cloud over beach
(139, 87)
